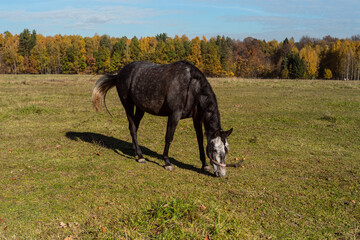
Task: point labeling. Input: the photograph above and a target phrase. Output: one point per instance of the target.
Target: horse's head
(217, 149)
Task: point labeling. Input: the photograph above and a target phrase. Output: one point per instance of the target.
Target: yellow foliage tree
(195, 52)
(40, 56)
(311, 59)
(10, 54)
(328, 74)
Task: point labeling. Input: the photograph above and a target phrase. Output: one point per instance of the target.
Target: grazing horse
(177, 90)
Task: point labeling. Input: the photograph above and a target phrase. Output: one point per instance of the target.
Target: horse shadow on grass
(125, 149)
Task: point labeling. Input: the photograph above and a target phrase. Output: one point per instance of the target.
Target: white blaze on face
(219, 153)
(218, 145)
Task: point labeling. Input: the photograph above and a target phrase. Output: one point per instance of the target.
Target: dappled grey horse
(177, 90)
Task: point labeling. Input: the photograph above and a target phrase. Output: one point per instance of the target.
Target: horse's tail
(102, 86)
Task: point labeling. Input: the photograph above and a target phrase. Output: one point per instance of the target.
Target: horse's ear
(227, 133)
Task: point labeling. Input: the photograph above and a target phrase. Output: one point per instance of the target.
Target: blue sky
(234, 18)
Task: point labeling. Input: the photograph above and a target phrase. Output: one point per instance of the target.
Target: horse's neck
(211, 115)
(207, 105)
(212, 122)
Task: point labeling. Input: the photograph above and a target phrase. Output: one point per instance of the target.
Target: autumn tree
(347, 59)
(91, 47)
(78, 54)
(105, 41)
(310, 56)
(357, 60)
(163, 52)
(330, 59)
(102, 57)
(134, 49)
(40, 56)
(74, 56)
(278, 58)
(270, 50)
(250, 59)
(225, 46)
(118, 58)
(27, 42)
(54, 49)
(328, 74)
(187, 46)
(211, 58)
(195, 52)
(9, 53)
(179, 49)
(103, 54)
(2, 43)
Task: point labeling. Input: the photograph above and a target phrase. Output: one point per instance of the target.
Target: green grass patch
(67, 171)
(32, 109)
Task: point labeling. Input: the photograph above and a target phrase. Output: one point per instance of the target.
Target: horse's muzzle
(220, 173)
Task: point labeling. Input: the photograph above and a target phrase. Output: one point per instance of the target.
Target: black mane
(207, 103)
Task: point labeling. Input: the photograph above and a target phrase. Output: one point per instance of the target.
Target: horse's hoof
(207, 168)
(141, 160)
(169, 168)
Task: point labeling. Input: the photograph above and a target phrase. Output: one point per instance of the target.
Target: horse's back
(157, 89)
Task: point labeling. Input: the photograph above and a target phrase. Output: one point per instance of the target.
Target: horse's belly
(152, 106)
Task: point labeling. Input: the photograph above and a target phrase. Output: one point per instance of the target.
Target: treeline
(327, 58)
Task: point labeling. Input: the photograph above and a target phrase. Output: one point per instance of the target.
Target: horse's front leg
(200, 139)
(173, 120)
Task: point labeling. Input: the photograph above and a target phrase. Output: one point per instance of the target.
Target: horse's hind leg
(134, 121)
(138, 116)
(173, 120)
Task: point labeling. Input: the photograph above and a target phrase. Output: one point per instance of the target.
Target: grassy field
(67, 172)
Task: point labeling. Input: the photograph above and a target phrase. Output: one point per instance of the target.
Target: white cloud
(85, 18)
